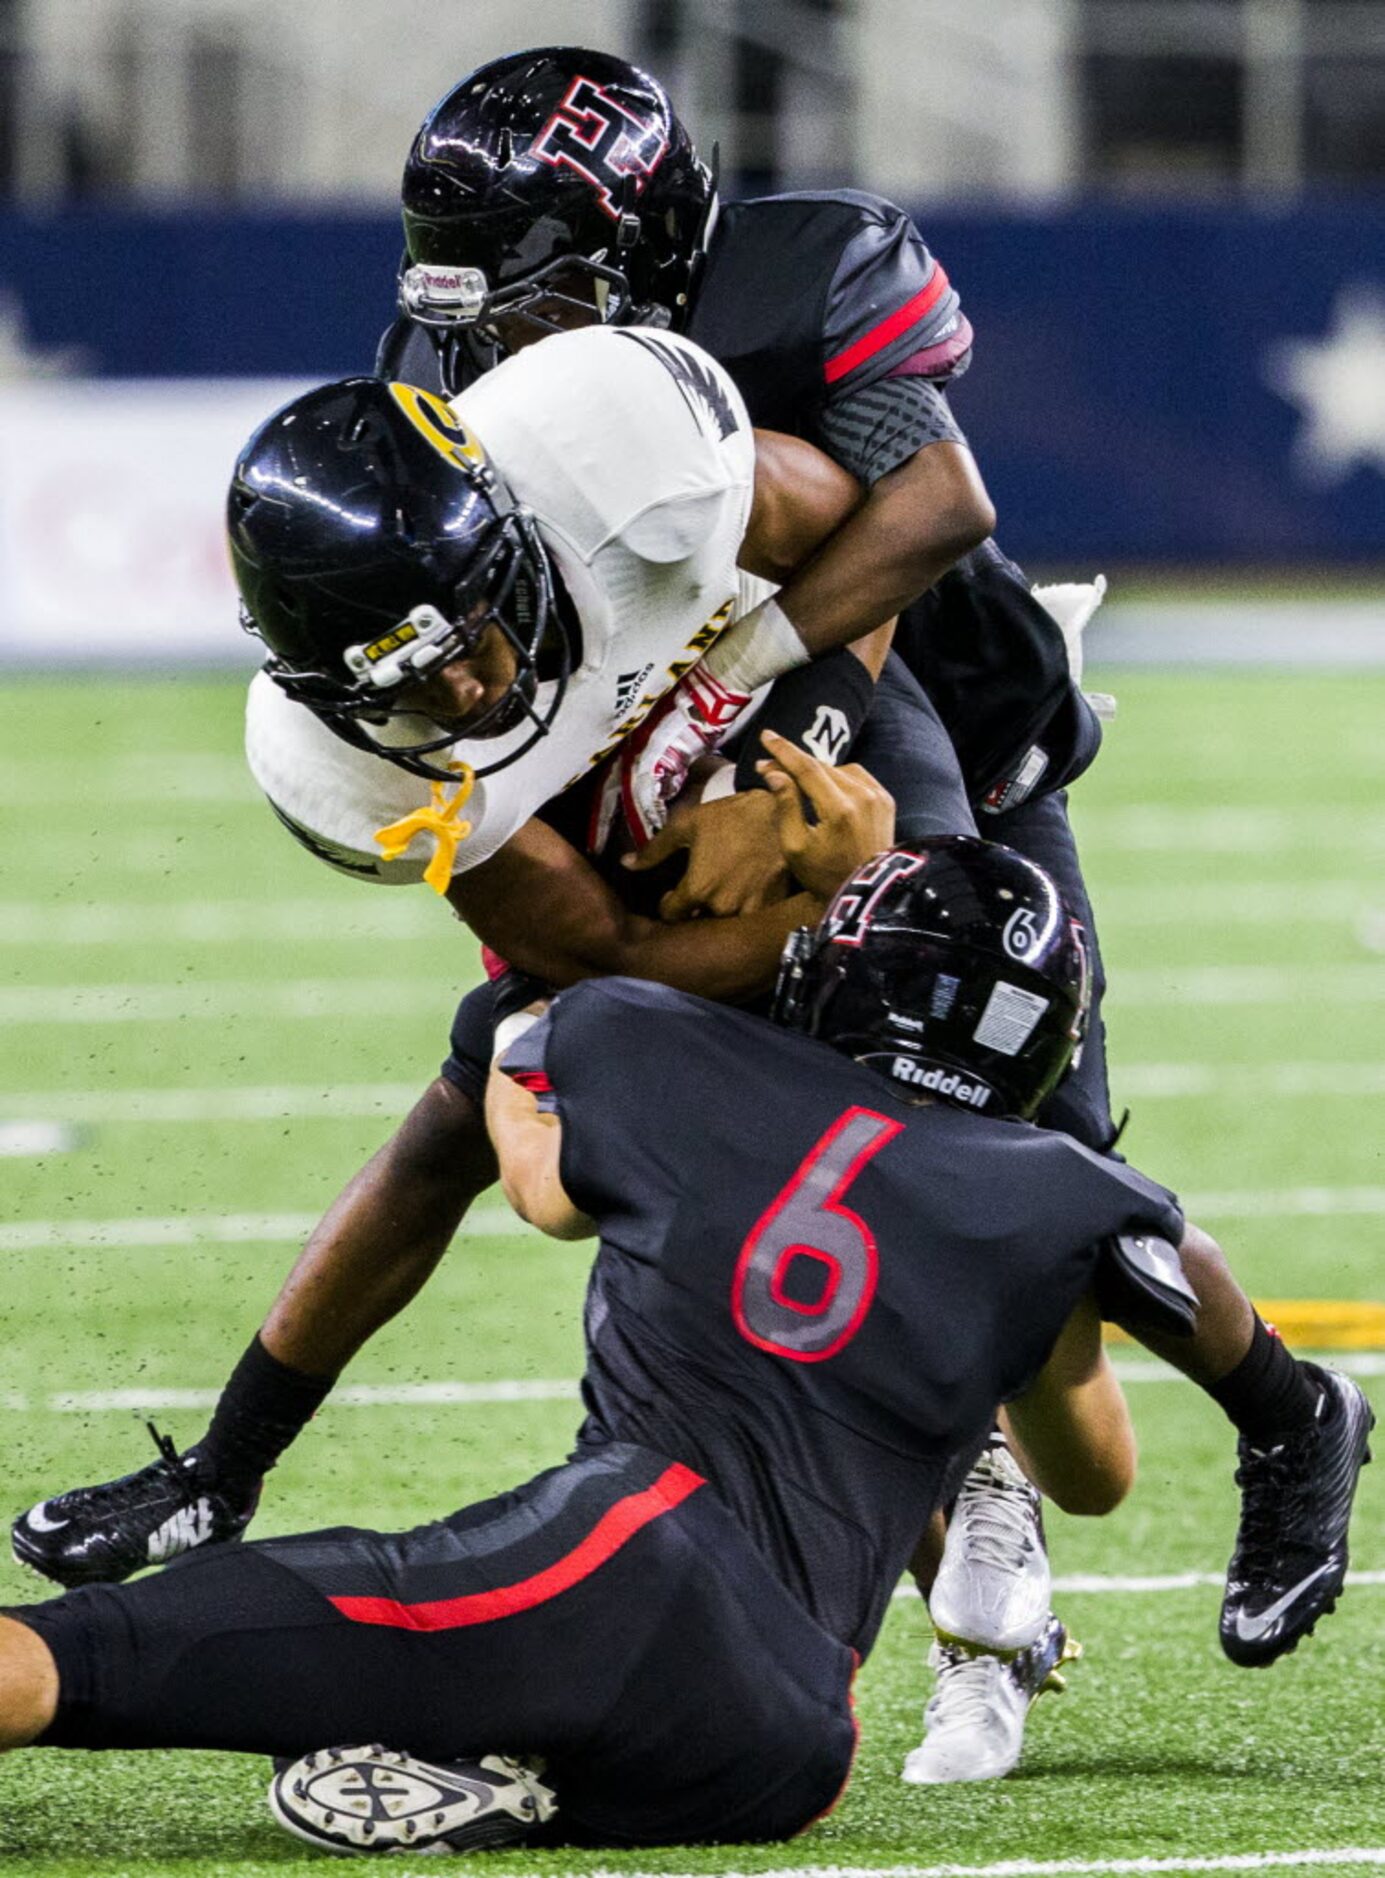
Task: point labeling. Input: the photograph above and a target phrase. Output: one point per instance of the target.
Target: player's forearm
(916, 523)
(1071, 1427)
(381, 1238)
(529, 1147)
(728, 960)
(545, 909)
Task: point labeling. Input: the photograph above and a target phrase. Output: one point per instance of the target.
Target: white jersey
(634, 451)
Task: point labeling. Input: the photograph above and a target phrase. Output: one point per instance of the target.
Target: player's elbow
(944, 508)
(970, 522)
(956, 529)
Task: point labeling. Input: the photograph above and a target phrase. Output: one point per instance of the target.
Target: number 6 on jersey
(775, 1307)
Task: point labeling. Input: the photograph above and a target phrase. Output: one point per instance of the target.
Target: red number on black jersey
(797, 1313)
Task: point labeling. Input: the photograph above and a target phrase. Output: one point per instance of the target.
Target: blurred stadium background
(1166, 219)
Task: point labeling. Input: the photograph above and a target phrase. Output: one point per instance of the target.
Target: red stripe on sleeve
(617, 1525)
(534, 1080)
(889, 328)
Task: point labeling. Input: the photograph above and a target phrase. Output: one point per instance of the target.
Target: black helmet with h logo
(954, 969)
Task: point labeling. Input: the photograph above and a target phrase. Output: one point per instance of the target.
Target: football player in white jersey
(471, 606)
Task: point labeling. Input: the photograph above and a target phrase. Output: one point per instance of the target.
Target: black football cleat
(380, 1800)
(1290, 1560)
(99, 1535)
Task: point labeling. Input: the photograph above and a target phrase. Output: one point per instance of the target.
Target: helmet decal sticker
(593, 134)
(847, 919)
(1010, 1018)
(434, 419)
(1023, 933)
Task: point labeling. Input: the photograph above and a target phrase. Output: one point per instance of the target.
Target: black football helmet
(557, 186)
(373, 542)
(954, 969)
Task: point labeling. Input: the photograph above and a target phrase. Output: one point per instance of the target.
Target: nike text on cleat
(376, 1799)
(993, 1586)
(974, 1725)
(101, 1534)
(1290, 1561)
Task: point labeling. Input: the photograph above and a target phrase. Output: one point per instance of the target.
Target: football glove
(694, 718)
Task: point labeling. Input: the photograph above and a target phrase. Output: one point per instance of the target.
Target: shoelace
(967, 1687)
(998, 1519)
(96, 1499)
(1275, 1483)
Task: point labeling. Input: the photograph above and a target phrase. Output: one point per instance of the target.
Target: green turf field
(228, 1029)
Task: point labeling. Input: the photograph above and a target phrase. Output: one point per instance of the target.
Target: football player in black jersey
(557, 187)
(784, 1367)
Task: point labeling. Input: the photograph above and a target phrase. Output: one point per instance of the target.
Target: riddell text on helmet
(941, 1082)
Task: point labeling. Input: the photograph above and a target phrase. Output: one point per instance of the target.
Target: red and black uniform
(808, 1298)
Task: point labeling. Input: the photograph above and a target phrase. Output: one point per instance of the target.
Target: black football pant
(610, 1616)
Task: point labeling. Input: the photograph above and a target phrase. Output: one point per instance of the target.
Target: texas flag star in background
(1338, 385)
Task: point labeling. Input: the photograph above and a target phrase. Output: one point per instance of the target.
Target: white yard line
(240, 999)
(1185, 985)
(193, 776)
(205, 1228)
(275, 1228)
(352, 915)
(202, 921)
(354, 1101)
(145, 1399)
(273, 1102)
(1159, 1080)
(1233, 902)
(1275, 1202)
(1319, 828)
(221, 1000)
(353, 1395)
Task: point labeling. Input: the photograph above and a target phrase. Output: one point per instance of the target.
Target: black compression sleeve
(820, 707)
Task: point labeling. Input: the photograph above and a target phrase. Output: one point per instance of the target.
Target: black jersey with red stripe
(809, 298)
(809, 1291)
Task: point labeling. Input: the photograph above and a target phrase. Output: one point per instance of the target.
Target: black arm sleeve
(820, 707)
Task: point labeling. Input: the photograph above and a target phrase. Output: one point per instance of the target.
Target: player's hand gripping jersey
(635, 454)
(809, 1290)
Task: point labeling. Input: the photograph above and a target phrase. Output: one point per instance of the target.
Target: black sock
(262, 1409)
(1270, 1393)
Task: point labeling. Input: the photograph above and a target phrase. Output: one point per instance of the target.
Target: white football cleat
(376, 1799)
(974, 1725)
(994, 1586)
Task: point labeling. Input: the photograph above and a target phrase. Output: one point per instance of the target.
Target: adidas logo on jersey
(943, 1082)
(628, 688)
(189, 1527)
